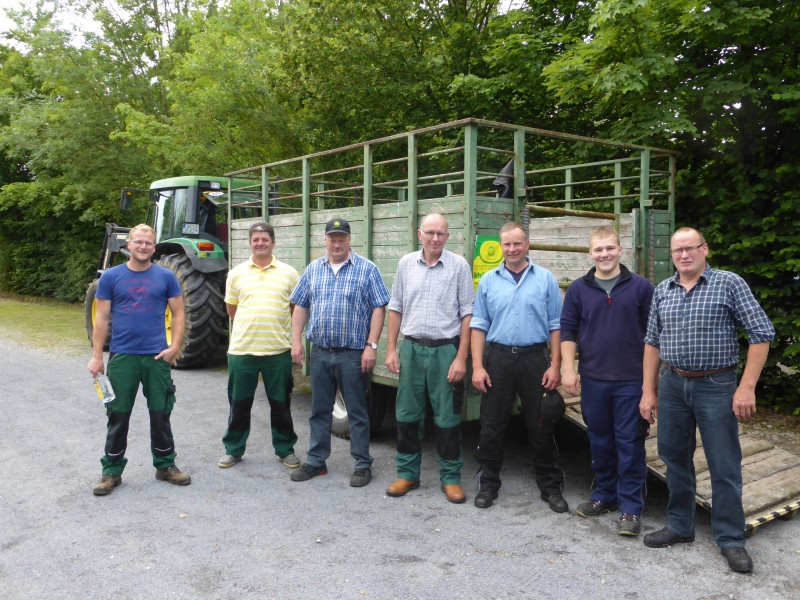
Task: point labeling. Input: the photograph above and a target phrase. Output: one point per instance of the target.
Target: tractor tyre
(89, 309)
(206, 321)
(376, 410)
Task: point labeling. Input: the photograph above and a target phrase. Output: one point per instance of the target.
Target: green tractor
(190, 217)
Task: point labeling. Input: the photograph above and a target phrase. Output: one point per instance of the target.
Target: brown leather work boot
(106, 485)
(454, 493)
(401, 487)
(174, 475)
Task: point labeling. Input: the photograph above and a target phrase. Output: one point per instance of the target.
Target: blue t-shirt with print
(138, 303)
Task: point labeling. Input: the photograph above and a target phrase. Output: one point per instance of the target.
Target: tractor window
(170, 214)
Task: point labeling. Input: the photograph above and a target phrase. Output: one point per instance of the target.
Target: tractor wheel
(206, 321)
(89, 310)
(376, 410)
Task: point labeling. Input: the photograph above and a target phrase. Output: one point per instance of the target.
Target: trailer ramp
(770, 475)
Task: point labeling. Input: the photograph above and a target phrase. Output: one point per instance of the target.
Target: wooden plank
(494, 205)
(777, 489)
(755, 467)
(749, 443)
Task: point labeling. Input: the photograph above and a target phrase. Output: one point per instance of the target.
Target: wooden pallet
(770, 475)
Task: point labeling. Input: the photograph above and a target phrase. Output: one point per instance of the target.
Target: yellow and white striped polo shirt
(263, 324)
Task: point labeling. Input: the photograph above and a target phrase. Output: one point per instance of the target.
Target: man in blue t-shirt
(135, 296)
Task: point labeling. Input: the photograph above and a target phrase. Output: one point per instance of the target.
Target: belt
(518, 349)
(433, 343)
(335, 349)
(684, 373)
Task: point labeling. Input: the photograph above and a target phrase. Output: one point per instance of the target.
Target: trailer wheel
(90, 310)
(376, 409)
(206, 321)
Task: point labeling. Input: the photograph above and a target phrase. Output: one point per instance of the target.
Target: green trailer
(479, 174)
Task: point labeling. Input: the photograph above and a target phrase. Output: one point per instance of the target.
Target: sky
(66, 19)
(6, 24)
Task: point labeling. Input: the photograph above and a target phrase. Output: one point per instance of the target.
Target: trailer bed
(770, 475)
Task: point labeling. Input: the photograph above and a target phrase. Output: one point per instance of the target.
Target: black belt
(685, 373)
(433, 343)
(335, 349)
(518, 349)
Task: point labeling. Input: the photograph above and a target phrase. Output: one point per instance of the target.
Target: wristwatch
(373, 346)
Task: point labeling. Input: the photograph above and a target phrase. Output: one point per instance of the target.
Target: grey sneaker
(174, 475)
(594, 508)
(106, 485)
(228, 461)
(290, 461)
(306, 472)
(360, 477)
(629, 524)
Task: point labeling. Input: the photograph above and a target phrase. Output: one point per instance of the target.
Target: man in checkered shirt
(342, 297)
(690, 360)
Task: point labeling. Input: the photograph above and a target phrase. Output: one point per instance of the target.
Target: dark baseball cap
(337, 226)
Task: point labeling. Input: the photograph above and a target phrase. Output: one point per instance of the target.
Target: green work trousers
(423, 374)
(126, 372)
(276, 372)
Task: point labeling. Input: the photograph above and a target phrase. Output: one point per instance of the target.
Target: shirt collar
(421, 258)
(704, 276)
(503, 266)
(349, 258)
(271, 263)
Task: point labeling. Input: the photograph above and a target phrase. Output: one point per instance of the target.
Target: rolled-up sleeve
(480, 315)
(553, 303)
(750, 315)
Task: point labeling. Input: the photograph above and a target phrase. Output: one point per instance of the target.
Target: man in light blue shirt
(517, 312)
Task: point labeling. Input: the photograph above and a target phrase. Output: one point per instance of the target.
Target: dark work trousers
(126, 372)
(513, 374)
(276, 373)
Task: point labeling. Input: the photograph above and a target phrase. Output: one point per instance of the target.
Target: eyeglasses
(687, 249)
(144, 243)
(435, 234)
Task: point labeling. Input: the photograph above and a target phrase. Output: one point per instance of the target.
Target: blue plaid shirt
(341, 303)
(696, 331)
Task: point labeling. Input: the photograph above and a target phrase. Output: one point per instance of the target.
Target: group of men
(674, 348)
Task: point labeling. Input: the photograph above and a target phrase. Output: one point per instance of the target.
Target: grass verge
(43, 323)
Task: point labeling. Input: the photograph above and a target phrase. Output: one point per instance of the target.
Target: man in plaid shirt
(343, 298)
(690, 360)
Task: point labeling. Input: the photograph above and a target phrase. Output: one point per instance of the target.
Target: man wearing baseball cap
(342, 298)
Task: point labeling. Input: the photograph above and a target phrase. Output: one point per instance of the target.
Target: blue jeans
(331, 370)
(616, 438)
(706, 402)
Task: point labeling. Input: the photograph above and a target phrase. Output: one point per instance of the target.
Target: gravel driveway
(250, 532)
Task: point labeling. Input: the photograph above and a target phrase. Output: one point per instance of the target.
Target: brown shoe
(401, 487)
(454, 493)
(174, 475)
(106, 485)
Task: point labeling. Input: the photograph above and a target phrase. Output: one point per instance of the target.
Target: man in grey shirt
(431, 305)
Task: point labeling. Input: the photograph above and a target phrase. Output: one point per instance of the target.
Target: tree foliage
(206, 86)
(719, 81)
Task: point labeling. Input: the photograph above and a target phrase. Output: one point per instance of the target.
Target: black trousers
(513, 374)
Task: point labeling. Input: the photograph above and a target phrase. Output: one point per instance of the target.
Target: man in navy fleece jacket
(605, 317)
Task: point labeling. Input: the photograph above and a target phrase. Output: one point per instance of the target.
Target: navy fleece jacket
(609, 328)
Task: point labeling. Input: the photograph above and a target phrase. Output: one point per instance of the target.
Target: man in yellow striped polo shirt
(257, 299)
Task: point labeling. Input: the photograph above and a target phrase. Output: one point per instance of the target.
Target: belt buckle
(514, 350)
